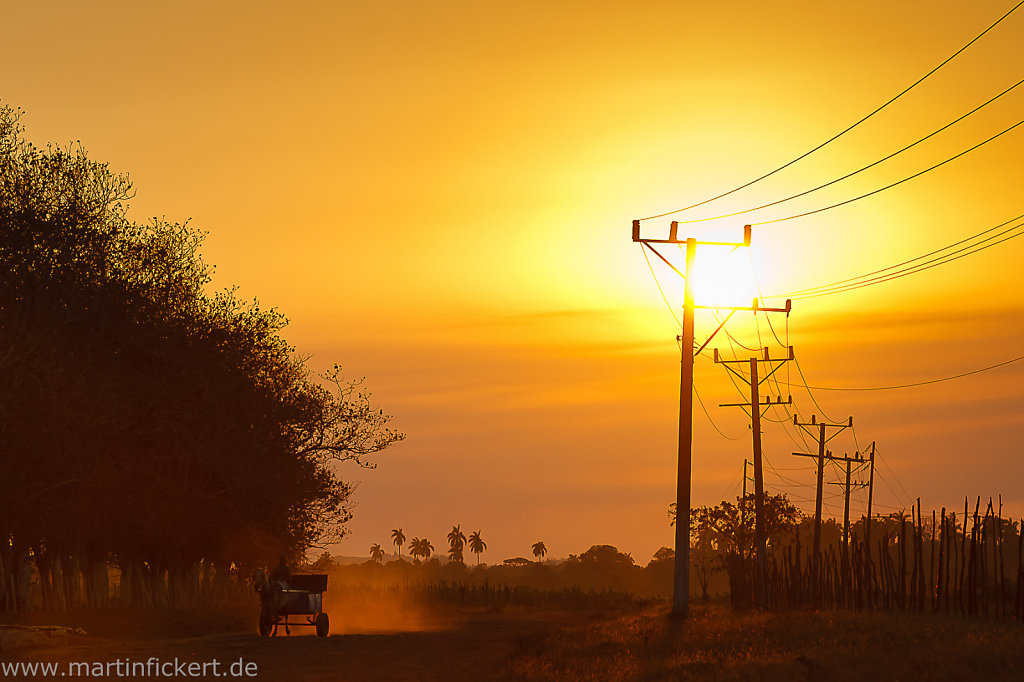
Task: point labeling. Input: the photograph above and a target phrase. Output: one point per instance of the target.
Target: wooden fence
(941, 564)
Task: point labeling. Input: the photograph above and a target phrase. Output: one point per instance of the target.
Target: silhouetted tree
(420, 547)
(376, 553)
(706, 560)
(477, 545)
(456, 541)
(539, 550)
(398, 538)
(126, 386)
(730, 527)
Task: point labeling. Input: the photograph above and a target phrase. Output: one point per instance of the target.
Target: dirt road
(463, 647)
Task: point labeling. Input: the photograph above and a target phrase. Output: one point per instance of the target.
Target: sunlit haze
(439, 197)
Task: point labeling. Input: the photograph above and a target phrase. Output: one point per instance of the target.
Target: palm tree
(420, 547)
(376, 553)
(539, 550)
(455, 555)
(477, 545)
(398, 537)
(456, 540)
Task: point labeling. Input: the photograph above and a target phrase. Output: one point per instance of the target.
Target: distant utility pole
(847, 487)
(681, 583)
(743, 500)
(757, 407)
(871, 491)
(821, 457)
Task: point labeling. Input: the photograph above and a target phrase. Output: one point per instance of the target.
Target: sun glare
(723, 277)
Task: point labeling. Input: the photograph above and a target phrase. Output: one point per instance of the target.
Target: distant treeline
(145, 424)
(602, 568)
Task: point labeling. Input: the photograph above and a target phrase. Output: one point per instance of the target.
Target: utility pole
(867, 527)
(681, 581)
(743, 502)
(756, 405)
(822, 440)
(871, 490)
(745, 477)
(847, 487)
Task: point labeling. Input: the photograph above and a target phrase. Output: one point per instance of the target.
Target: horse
(273, 603)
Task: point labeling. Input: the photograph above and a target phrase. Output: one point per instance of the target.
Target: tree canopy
(143, 420)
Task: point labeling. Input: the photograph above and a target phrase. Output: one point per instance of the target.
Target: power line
(843, 132)
(894, 184)
(862, 280)
(859, 170)
(708, 415)
(919, 383)
(803, 379)
(660, 290)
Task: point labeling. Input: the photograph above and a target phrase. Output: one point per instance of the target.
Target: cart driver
(281, 573)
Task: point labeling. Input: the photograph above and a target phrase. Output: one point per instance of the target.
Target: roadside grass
(717, 644)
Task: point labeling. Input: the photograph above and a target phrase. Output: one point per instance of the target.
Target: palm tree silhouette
(539, 550)
(376, 553)
(477, 545)
(456, 540)
(398, 537)
(420, 547)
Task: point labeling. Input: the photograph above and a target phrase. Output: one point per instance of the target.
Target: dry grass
(716, 644)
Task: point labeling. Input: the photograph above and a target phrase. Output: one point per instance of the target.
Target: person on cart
(282, 573)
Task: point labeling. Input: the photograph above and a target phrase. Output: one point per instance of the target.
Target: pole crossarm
(763, 403)
(721, 361)
(813, 422)
(673, 236)
(835, 458)
(754, 308)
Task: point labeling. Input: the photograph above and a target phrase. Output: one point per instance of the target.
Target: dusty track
(468, 646)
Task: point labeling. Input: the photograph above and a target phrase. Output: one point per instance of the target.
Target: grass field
(716, 644)
(376, 638)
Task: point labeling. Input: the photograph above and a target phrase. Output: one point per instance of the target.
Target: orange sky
(438, 195)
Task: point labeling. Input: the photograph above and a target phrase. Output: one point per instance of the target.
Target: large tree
(144, 421)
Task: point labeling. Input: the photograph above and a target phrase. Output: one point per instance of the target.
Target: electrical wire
(919, 383)
(708, 415)
(859, 170)
(891, 185)
(921, 267)
(660, 290)
(803, 379)
(849, 280)
(884, 463)
(848, 129)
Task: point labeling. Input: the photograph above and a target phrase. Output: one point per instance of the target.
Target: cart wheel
(266, 624)
(323, 624)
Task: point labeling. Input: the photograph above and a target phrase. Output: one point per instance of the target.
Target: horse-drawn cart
(303, 597)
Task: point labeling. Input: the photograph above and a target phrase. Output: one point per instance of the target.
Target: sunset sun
(723, 277)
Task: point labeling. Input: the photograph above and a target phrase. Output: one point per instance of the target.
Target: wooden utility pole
(681, 578)
(821, 457)
(847, 487)
(871, 491)
(745, 463)
(756, 405)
